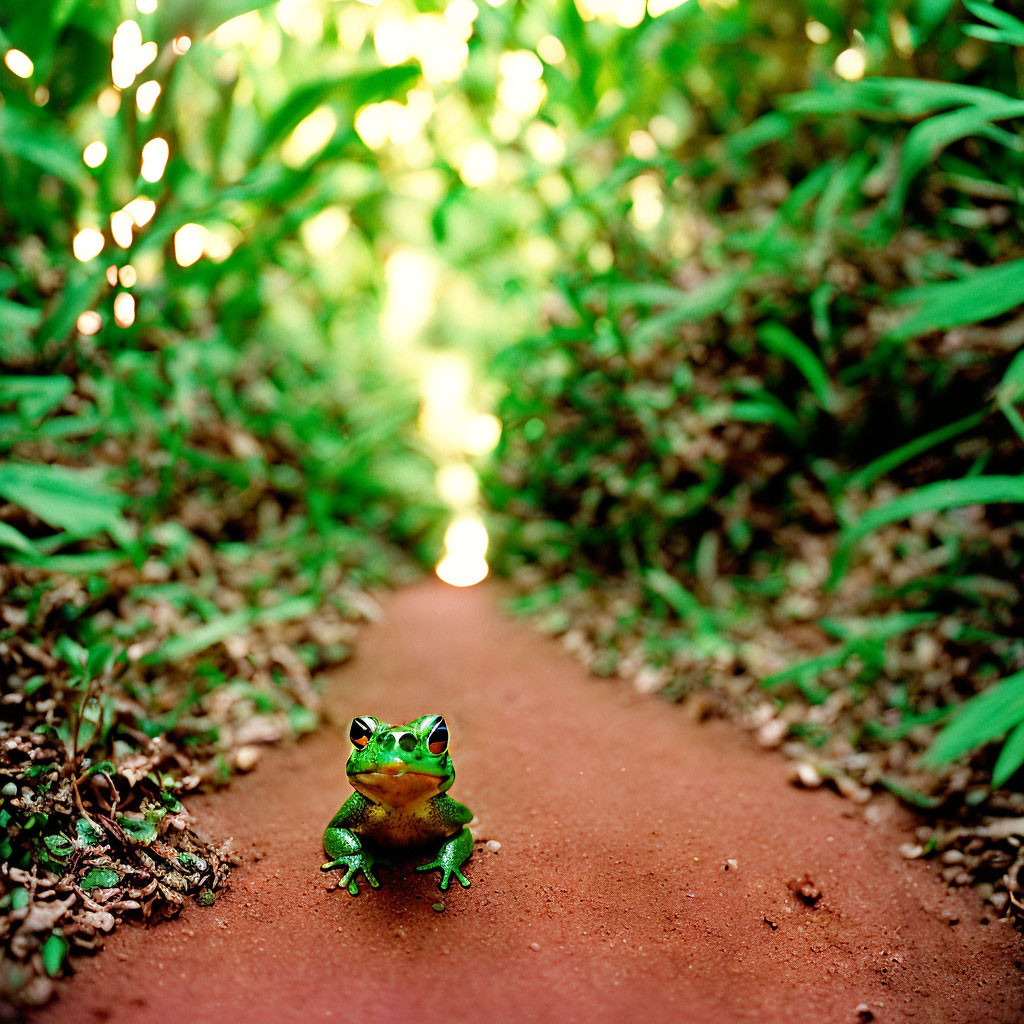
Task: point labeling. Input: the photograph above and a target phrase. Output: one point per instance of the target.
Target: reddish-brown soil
(610, 898)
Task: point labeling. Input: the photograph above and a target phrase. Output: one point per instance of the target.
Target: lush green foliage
(195, 488)
(811, 408)
(781, 382)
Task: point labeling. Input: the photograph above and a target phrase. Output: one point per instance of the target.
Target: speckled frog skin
(400, 774)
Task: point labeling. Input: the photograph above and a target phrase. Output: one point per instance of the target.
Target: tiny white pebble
(492, 845)
(535, 946)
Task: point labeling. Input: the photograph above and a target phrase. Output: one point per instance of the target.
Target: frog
(401, 775)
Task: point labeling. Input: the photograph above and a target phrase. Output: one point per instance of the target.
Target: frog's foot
(354, 863)
(453, 854)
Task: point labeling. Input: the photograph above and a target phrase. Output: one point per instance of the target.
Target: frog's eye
(437, 739)
(361, 731)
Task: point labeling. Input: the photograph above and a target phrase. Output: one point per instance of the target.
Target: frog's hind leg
(454, 852)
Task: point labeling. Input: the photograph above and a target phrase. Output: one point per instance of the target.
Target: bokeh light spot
(94, 154)
(87, 244)
(89, 322)
(189, 240)
(19, 63)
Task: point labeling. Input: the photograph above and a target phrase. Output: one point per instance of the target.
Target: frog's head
(399, 764)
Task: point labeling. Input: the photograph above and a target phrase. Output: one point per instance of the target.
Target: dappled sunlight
(87, 244)
(155, 155)
(697, 323)
(189, 240)
(411, 280)
(465, 546)
(94, 154)
(309, 136)
(19, 63)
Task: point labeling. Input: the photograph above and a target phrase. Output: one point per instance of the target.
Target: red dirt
(609, 899)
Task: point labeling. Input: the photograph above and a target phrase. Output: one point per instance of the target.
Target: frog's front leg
(454, 852)
(345, 849)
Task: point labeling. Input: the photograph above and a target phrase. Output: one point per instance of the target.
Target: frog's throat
(395, 786)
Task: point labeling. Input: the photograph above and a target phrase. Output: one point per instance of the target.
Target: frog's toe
(446, 879)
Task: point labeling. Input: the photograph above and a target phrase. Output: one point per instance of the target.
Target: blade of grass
(944, 494)
(980, 720)
(885, 464)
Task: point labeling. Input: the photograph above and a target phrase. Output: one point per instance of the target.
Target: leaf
(68, 499)
(98, 660)
(71, 652)
(143, 831)
(29, 138)
(301, 719)
(12, 538)
(170, 801)
(35, 396)
(16, 317)
(983, 718)
(766, 408)
(1005, 27)
(198, 17)
(55, 951)
(783, 342)
(768, 128)
(1011, 757)
(929, 14)
(59, 845)
(1011, 391)
(358, 88)
(78, 293)
(679, 599)
(910, 795)
(884, 627)
(979, 490)
(207, 635)
(885, 464)
(926, 140)
(711, 297)
(809, 669)
(889, 98)
(88, 833)
(100, 878)
(235, 622)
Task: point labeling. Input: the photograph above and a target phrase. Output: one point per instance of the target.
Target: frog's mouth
(394, 784)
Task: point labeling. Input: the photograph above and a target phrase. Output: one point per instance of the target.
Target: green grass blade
(1011, 391)
(709, 298)
(982, 719)
(980, 490)
(783, 342)
(68, 499)
(889, 98)
(1005, 27)
(207, 635)
(926, 140)
(980, 296)
(885, 464)
(1011, 757)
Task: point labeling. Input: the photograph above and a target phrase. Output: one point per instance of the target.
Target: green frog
(400, 774)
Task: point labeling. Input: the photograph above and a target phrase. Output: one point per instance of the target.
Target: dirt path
(608, 900)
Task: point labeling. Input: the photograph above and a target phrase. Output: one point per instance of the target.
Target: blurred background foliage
(742, 281)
